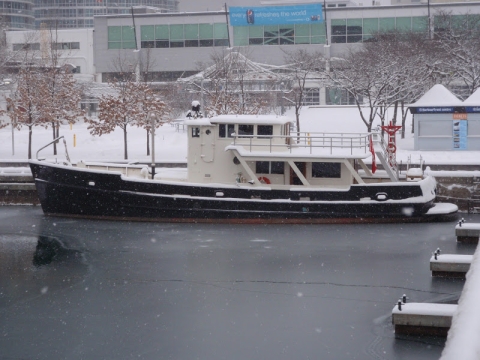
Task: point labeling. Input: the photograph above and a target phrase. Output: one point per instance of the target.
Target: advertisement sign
(433, 110)
(276, 15)
(460, 134)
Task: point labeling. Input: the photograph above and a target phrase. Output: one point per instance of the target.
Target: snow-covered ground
(170, 145)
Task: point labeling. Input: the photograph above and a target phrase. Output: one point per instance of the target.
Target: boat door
(294, 179)
(208, 144)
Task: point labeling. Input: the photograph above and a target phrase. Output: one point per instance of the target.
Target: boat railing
(54, 141)
(353, 142)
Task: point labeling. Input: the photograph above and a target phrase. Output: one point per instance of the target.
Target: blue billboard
(276, 15)
(460, 134)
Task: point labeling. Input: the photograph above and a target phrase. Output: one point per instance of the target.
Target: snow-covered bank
(462, 342)
(170, 145)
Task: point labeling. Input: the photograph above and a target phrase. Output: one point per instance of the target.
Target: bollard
(435, 255)
(438, 251)
(399, 305)
(404, 298)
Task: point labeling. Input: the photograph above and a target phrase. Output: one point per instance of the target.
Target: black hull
(68, 191)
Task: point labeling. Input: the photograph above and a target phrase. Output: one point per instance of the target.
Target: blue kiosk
(443, 122)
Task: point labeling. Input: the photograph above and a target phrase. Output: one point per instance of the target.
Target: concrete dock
(450, 265)
(467, 233)
(423, 318)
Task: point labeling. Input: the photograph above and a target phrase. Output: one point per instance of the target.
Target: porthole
(236, 161)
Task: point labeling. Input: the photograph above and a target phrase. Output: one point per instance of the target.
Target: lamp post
(6, 83)
(153, 117)
(202, 93)
(429, 21)
(282, 86)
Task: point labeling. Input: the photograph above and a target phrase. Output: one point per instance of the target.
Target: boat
(249, 169)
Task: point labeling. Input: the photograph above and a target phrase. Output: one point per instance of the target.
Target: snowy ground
(171, 145)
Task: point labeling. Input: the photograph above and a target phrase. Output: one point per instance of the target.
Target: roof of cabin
(438, 95)
(241, 119)
(473, 99)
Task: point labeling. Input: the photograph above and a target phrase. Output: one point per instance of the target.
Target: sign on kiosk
(276, 15)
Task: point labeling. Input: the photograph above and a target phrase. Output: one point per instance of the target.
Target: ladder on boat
(386, 158)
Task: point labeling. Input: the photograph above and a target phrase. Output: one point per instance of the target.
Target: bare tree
(64, 96)
(303, 66)
(392, 69)
(233, 85)
(457, 39)
(150, 103)
(26, 103)
(129, 104)
(116, 110)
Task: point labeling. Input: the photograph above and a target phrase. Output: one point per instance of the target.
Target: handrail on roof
(349, 141)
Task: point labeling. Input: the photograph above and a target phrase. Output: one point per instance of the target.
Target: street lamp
(282, 87)
(429, 21)
(7, 82)
(153, 118)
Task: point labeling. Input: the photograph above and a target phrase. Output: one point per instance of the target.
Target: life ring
(264, 180)
(392, 147)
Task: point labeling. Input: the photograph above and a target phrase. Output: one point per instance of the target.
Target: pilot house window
(195, 132)
(246, 130)
(226, 130)
(265, 130)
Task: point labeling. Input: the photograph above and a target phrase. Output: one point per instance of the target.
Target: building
(74, 46)
(67, 14)
(443, 122)
(169, 46)
(17, 15)
(178, 42)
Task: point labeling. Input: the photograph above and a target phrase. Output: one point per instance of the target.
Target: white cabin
(259, 150)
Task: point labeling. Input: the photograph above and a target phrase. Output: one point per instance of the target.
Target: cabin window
(265, 130)
(270, 167)
(225, 130)
(195, 132)
(326, 170)
(245, 130)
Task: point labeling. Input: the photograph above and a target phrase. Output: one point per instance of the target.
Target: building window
(184, 35)
(337, 96)
(66, 46)
(121, 37)
(279, 34)
(31, 46)
(326, 170)
(270, 167)
(358, 30)
(312, 97)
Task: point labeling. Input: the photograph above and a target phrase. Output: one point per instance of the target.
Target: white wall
(82, 57)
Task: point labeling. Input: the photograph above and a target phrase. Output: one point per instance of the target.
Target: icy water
(81, 289)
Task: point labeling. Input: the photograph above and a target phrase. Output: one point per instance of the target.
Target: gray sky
(199, 5)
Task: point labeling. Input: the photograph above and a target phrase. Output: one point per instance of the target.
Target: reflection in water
(50, 249)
